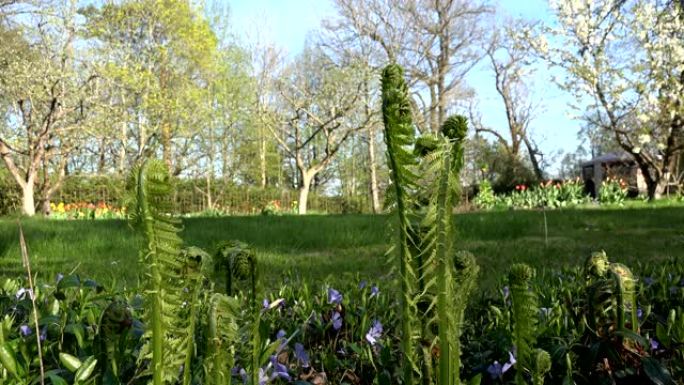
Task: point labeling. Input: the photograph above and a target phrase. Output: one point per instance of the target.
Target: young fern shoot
(171, 331)
(399, 137)
(433, 277)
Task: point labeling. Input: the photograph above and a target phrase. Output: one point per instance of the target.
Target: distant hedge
(189, 198)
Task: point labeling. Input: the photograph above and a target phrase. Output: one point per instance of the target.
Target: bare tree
(437, 42)
(45, 107)
(509, 62)
(345, 51)
(320, 104)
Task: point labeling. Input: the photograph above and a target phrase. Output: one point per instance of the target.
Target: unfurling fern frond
(163, 283)
(222, 329)
(541, 366)
(440, 167)
(237, 261)
(400, 138)
(525, 313)
(115, 321)
(196, 266)
(611, 291)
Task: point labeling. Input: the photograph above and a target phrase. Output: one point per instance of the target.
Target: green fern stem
(524, 306)
(190, 348)
(147, 220)
(398, 133)
(447, 374)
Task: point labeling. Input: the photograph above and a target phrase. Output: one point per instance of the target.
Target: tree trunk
(304, 187)
(166, 145)
(122, 151)
(262, 158)
(533, 159)
(28, 203)
(655, 185)
(102, 160)
(375, 200)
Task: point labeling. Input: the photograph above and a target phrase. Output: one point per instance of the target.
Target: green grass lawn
(336, 247)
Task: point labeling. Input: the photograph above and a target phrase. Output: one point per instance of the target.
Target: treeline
(89, 89)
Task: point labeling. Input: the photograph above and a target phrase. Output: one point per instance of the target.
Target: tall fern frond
(541, 366)
(115, 321)
(196, 266)
(525, 313)
(442, 164)
(399, 138)
(163, 284)
(612, 293)
(222, 332)
(237, 261)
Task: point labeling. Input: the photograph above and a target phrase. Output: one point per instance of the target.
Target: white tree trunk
(375, 200)
(304, 192)
(28, 203)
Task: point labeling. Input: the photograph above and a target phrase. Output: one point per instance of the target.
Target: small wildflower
(279, 370)
(272, 305)
(362, 284)
(280, 336)
(496, 370)
(374, 333)
(334, 296)
(649, 281)
(301, 355)
(337, 320)
(25, 330)
(654, 343)
(640, 313)
(374, 291)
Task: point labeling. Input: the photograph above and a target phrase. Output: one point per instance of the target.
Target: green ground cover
(336, 247)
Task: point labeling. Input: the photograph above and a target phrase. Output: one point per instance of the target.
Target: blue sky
(286, 23)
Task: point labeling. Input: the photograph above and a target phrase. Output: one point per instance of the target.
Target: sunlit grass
(333, 248)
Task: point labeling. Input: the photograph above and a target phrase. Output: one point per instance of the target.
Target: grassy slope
(333, 247)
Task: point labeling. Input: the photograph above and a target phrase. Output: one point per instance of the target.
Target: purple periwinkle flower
(263, 378)
(374, 291)
(362, 284)
(654, 343)
(43, 333)
(25, 330)
(280, 336)
(334, 296)
(337, 321)
(301, 355)
(506, 292)
(640, 313)
(279, 370)
(374, 333)
(271, 305)
(497, 370)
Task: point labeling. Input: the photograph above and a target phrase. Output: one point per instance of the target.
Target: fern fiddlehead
(525, 310)
(399, 137)
(150, 211)
(221, 326)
